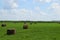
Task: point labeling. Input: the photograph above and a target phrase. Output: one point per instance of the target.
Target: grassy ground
(39, 31)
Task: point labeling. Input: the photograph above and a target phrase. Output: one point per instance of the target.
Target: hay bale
(11, 31)
(25, 26)
(3, 25)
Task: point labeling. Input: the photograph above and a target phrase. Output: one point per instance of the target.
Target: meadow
(35, 31)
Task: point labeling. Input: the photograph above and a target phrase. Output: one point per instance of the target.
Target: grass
(39, 31)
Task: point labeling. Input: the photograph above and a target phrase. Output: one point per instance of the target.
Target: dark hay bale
(3, 25)
(10, 31)
(25, 26)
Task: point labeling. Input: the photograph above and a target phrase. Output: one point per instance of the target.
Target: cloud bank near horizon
(34, 10)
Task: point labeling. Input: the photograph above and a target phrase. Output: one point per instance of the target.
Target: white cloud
(43, 1)
(24, 0)
(37, 8)
(48, 1)
(15, 14)
(43, 13)
(11, 3)
(14, 5)
(55, 7)
(23, 14)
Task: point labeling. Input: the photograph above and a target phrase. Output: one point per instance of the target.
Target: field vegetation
(35, 31)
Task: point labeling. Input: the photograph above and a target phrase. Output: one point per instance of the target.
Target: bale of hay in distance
(3, 25)
(11, 31)
(25, 26)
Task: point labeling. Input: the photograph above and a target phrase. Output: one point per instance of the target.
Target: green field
(39, 31)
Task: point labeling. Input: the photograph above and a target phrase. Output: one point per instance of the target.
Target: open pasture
(38, 31)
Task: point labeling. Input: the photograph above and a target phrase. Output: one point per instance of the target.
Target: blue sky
(33, 10)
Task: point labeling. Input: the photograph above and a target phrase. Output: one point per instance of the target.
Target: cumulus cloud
(35, 14)
(37, 8)
(43, 1)
(11, 3)
(23, 14)
(24, 0)
(14, 5)
(48, 1)
(15, 14)
(55, 7)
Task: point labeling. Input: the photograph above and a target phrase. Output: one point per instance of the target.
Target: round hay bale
(25, 26)
(11, 31)
(3, 25)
